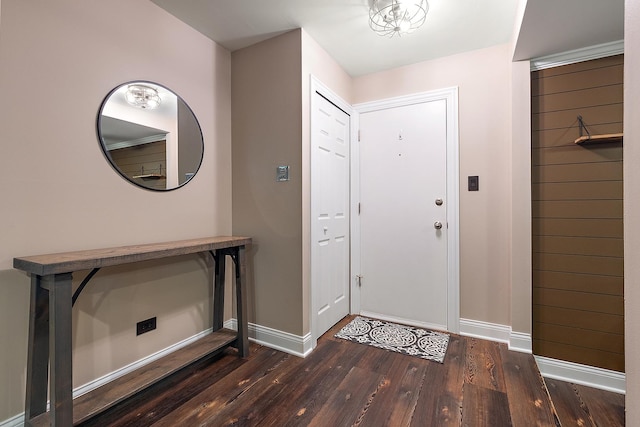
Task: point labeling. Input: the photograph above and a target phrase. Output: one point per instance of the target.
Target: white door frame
(317, 86)
(450, 95)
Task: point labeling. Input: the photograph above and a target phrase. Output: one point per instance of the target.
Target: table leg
(38, 351)
(218, 289)
(241, 302)
(60, 386)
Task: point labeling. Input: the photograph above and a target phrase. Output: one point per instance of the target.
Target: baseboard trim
(485, 330)
(293, 344)
(17, 421)
(517, 341)
(589, 376)
(404, 321)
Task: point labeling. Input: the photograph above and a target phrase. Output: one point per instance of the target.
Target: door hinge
(359, 208)
(358, 135)
(359, 279)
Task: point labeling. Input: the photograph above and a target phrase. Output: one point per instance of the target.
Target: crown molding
(578, 55)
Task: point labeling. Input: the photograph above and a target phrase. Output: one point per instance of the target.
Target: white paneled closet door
(330, 137)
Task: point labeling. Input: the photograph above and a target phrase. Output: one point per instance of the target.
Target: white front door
(330, 136)
(403, 195)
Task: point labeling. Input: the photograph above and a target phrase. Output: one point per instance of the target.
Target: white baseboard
(297, 345)
(517, 341)
(17, 421)
(404, 321)
(589, 376)
(485, 330)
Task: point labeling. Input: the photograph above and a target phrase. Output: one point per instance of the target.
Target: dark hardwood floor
(480, 383)
(577, 405)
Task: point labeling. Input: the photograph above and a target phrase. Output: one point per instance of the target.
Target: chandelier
(142, 96)
(391, 17)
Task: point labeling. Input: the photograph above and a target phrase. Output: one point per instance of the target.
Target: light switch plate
(474, 183)
(282, 173)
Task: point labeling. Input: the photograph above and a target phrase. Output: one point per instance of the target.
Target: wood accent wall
(578, 302)
(151, 157)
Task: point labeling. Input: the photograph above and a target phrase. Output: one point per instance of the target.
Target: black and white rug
(408, 340)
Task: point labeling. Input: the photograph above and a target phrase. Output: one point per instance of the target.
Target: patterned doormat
(403, 339)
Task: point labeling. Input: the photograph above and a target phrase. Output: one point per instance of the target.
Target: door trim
(450, 95)
(317, 86)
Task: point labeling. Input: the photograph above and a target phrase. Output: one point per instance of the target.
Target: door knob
(437, 225)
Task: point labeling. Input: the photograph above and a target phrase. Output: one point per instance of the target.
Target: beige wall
(484, 81)
(520, 245)
(632, 208)
(267, 119)
(57, 62)
(270, 107)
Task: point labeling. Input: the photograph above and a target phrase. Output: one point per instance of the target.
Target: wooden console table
(50, 352)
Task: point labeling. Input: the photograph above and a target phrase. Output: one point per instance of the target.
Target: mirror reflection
(150, 135)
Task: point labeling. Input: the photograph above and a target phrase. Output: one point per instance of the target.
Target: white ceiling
(452, 26)
(556, 26)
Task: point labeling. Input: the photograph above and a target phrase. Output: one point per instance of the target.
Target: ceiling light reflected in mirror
(142, 96)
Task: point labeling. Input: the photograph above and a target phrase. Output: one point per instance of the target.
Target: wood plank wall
(577, 227)
(151, 157)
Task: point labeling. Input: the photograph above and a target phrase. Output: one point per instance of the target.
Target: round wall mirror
(150, 135)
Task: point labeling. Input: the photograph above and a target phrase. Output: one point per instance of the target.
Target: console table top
(67, 262)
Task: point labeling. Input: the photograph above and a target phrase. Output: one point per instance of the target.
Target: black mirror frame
(110, 160)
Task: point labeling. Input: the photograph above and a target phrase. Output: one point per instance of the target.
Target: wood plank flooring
(480, 383)
(577, 405)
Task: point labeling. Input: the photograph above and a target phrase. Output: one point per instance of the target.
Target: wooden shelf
(609, 137)
(85, 260)
(150, 176)
(120, 389)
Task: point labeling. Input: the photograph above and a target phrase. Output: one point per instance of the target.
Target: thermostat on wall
(282, 173)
